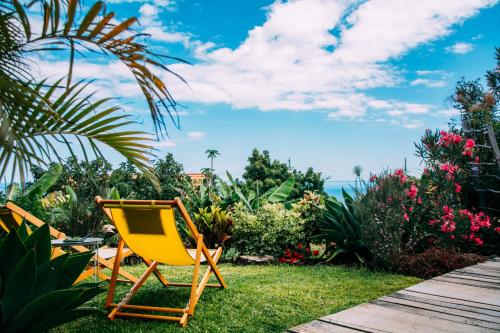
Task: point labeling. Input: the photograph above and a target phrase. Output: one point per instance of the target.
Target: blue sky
(328, 84)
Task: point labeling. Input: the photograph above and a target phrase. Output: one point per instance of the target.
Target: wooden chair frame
(90, 269)
(197, 286)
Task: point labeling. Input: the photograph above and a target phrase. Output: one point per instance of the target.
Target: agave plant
(341, 229)
(38, 116)
(37, 292)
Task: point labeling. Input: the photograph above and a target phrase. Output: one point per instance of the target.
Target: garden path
(465, 300)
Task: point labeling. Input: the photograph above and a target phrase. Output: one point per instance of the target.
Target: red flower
(419, 201)
(412, 192)
(497, 229)
(308, 250)
(478, 241)
(470, 143)
(406, 217)
(458, 188)
(452, 237)
(448, 226)
(373, 178)
(299, 246)
(315, 252)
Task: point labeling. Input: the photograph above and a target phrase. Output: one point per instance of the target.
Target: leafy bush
(434, 262)
(311, 208)
(36, 291)
(268, 231)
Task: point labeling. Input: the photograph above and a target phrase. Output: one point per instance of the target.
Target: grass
(259, 298)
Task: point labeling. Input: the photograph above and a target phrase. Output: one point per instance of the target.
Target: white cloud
(326, 60)
(165, 143)
(460, 48)
(195, 135)
(448, 112)
(428, 83)
(290, 64)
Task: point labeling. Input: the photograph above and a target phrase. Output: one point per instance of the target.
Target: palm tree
(211, 154)
(38, 117)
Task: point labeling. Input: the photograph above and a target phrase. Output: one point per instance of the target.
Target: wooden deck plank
(461, 313)
(473, 283)
(319, 326)
(478, 277)
(465, 300)
(469, 293)
(449, 302)
(376, 318)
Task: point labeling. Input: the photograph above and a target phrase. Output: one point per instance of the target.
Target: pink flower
(373, 178)
(448, 226)
(452, 237)
(478, 241)
(400, 173)
(497, 229)
(447, 210)
(410, 209)
(412, 192)
(469, 143)
(458, 188)
(477, 159)
(432, 222)
(449, 168)
(406, 217)
(419, 200)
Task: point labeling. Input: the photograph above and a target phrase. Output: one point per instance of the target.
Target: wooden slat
(443, 312)
(319, 326)
(473, 283)
(449, 302)
(478, 271)
(490, 265)
(473, 277)
(463, 292)
(376, 318)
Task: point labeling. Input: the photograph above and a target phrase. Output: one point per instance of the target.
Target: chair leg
(133, 290)
(114, 274)
(211, 263)
(196, 273)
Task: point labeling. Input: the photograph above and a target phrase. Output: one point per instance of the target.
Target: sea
(334, 188)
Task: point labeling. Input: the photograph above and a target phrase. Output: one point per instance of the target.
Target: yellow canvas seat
(149, 229)
(11, 216)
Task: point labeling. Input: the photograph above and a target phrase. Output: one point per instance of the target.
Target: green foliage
(36, 291)
(262, 174)
(215, 224)
(341, 230)
(268, 231)
(311, 209)
(232, 193)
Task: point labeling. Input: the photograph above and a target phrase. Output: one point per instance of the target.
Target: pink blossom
(497, 229)
(458, 188)
(447, 210)
(412, 192)
(419, 200)
(400, 173)
(470, 143)
(373, 178)
(448, 226)
(449, 168)
(406, 217)
(478, 241)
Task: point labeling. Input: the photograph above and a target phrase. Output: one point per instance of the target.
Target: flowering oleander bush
(404, 214)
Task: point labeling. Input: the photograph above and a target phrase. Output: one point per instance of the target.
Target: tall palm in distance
(211, 154)
(38, 116)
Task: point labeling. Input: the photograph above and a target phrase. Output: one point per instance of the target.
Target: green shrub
(268, 231)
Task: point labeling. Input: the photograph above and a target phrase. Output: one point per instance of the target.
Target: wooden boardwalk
(465, 300)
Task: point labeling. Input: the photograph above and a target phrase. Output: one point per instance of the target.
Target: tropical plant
(341, 230)
(215, 225)
(232, 193)
(37, 116)
(266, 232)
(37, 292)
(35, 197)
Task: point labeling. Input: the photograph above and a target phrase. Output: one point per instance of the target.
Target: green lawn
(259, 298)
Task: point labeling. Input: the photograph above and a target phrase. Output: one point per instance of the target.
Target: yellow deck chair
(11, 216)
(149, 229)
